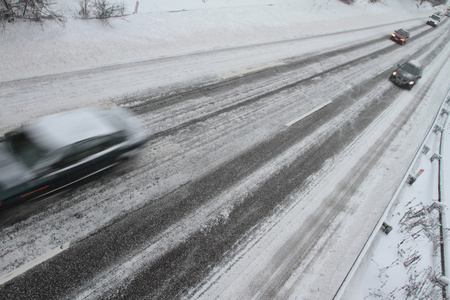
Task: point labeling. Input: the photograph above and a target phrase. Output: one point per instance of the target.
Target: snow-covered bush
(100, 9)
(34, 10)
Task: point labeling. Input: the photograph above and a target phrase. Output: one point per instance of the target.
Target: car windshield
(24, 149)
(402, 32)
(410, 68)
(435, 17)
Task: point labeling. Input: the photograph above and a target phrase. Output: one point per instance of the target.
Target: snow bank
(82, 44)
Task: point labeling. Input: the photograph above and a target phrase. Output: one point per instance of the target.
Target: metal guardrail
(381, 225)
(444, 218)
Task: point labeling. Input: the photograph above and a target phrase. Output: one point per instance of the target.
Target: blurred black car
(58, 150)
(407, 74)
(401, 36)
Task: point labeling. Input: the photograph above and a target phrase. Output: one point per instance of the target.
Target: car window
(435, 17)
(403, 33)
(24, 149)
(84, 149)
(410, 68)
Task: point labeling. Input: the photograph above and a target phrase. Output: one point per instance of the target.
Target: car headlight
(411, 82)
(393, 35)
(402, 40)
(394, 73)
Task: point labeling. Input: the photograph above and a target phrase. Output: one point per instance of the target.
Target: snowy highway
(242, 143)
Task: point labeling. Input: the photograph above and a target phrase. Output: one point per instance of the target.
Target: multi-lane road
(251, 178)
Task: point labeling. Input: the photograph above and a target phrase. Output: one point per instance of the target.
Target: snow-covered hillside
(170, 28)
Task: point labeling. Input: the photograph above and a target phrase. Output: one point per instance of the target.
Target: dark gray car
(407, 74)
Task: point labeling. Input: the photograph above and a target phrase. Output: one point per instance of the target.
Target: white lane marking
(33, 263)
(250, 70)
(308, 113)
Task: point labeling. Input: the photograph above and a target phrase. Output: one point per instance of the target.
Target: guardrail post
(435, 156)
(442, 281)
(438, 128)
(436, 205)
(386, 228)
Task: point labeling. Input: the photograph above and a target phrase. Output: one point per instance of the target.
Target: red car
(400, 36)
